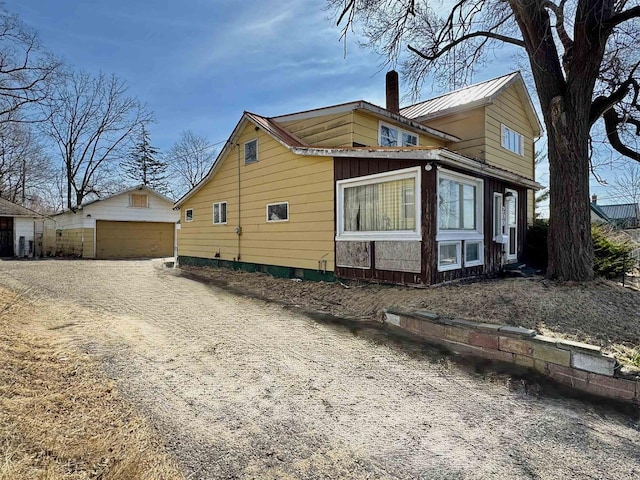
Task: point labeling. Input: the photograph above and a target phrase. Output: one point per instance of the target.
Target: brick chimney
(594, 198)
(393, 92)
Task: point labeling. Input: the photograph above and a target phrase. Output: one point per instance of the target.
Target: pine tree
(143, 167)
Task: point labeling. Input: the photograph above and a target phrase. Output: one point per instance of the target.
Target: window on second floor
(512, 140)
(251, 151)
(390, 136)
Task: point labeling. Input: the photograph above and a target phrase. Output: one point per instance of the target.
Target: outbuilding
(20, 230)
(136, 223)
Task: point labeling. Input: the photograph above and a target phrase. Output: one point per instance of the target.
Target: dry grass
(59, 419)
(601, 312)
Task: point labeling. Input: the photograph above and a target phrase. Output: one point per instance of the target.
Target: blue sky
(198, 64)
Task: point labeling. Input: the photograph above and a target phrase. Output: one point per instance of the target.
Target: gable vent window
(251, 151)
(138, 200)
(512, 140)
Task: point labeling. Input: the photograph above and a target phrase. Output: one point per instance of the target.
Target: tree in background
(189, 161)
(142, 165)
(25, 167)
(92, 121)
(27, 72)
(584, 59)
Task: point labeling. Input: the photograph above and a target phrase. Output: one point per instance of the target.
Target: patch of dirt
(602, 313)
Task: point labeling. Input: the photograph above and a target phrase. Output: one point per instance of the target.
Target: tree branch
(611, 122)
(622, 17)
(464, 38)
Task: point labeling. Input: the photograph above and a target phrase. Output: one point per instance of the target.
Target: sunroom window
(460, 220)
(382, 206)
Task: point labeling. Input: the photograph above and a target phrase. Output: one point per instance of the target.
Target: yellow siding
(75, 242)
(469, 126)
(325, 131)
(365, 131)
(507, 109)
(278, 176)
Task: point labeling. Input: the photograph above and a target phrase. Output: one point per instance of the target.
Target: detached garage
(136, 223)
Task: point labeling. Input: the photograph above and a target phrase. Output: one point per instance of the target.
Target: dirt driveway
(244, 389)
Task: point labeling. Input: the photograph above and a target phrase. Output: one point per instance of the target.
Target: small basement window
(188, 215)
(473, 253)
(278, 212)
(449, 256)
(251, 151)
(219, 213)
(138, 200)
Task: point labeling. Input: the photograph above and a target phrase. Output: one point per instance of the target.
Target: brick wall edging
(578, 365)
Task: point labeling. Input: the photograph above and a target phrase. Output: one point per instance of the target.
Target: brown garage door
(134, 239)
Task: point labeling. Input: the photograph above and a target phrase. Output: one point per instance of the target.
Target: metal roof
(10, 209)
(621, 211)
(480, 92)
(473, 96)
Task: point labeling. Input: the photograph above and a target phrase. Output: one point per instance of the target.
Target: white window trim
(186, 216)
(277, 203)
(399, 235)
(503, 128)
(213, 214)
(498, 198)
(245, 151)
(478, 262)
(458, 263)
(477, 234)
(514, 196)
(400, 132)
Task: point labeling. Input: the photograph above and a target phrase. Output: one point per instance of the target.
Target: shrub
(535, 249)
(611, 253)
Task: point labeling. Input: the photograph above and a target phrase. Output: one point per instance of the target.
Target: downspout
(238, 228)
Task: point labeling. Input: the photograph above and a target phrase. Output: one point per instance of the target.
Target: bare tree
(584, 59)
(25, 167)
(626, 185)
(189, 161)
(27, 72)
(91, 122)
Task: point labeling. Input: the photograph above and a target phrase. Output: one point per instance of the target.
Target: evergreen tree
(143, 167)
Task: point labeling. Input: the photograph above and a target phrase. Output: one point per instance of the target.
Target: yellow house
(419, 195)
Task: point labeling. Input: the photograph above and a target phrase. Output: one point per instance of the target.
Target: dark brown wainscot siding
(357, 167)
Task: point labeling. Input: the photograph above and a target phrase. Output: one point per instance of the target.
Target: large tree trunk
(570, 242)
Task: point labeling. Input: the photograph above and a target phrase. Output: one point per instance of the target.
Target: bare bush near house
(189, 160)
(58, 418)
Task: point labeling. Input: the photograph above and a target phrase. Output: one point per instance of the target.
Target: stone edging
(577, 365)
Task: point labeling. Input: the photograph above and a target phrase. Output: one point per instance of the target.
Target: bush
(611, 254)
(535, 249)
(611, 251)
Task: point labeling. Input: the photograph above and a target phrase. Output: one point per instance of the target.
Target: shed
(20, 230)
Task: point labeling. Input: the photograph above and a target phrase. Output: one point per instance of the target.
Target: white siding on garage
(117, 208)
(23, 227)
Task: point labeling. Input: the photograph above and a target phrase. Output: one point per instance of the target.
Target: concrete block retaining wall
(577, 365)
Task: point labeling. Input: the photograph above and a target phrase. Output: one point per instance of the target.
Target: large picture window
(382, 206)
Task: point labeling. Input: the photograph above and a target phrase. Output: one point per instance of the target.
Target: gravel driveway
(240, 388)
